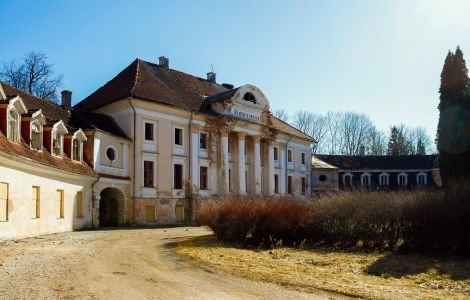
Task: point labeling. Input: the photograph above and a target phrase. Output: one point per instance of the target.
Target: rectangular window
(3, 201)
(303, 158)
(179, 212)
(149, 132)
(150, 214)
(289, 155)
(203, 178)
(79, 205)
(276, 153)
(177, 176)
(289, 185)
(276, 184)
(179, 136)
(203, 140)
(13, 121)
(60, 203)
(76, 150)
(56, 143)
(36, 202)
(36, 136)
(148, 174)
(304, 185)
(230, 180)
(246, 181)
(229, 145)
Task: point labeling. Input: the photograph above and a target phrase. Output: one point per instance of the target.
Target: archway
(111, 204)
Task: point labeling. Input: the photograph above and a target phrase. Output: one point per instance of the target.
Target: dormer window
(57, 142)
(13, 124)
(249, 97)
(77, 145)
(36, 136)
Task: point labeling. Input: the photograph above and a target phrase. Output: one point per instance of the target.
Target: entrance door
(108, 212)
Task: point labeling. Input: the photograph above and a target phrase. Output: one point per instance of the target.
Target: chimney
(211, 77)
(66, 99)
(164, 62)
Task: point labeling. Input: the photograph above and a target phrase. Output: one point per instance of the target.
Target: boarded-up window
(150, 214)
(203, 178)
(179, 212)
(177, 176)
(148, 174)
(3, 201)
(304, 185)
(179, 136)
(36, 202)
(276, 183)
(79, 205)
(60, 203)
(289, 185)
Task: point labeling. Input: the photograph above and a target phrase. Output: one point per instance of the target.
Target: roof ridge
(132, 91)
(292, 126)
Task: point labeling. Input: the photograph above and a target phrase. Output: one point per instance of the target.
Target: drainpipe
(134, 169)
(287, 155)
(93, 198)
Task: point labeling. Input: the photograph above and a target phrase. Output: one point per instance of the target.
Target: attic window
(13, 122)
(249, 97)
(57, 140)
(36, 136)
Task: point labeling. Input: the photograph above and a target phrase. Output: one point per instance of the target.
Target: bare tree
(33, 75)
(419, 138)
(281, 114)
(377, 143)
(314, 125)
(355, 130)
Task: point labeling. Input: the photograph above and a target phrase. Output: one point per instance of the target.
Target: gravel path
(119, 264)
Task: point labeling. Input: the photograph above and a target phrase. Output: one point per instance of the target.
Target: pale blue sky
(382, 58)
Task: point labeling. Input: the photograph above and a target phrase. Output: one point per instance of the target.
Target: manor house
(142, 149)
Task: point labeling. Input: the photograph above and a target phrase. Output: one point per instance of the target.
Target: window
(36, 202)
(347, 180)
(111, 154)
(179, 212)
(76, 150)
(246, 181)
(149, 134)
(289, 155)
(177, 176)
(56, 143)
(230, 180)
(276, 184)
(304, 185)
(3, 201)
(276, 153)
(322, 178)
(229, 145)
(303, 158)
(179, 136)
(150, 214)
(148, 174)
(365, 180)
(383, 179)
(249, 97)
(203, 178)
(421, 179)
(203, 140)
(60, 203)
(289, 185)
(13, 124)
(402, 180)
(245, 148)
(36, 136)
(79, 205)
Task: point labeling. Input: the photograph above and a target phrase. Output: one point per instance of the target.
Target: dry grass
(373, 275)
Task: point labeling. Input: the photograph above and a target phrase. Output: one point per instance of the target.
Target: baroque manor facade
(140, 150)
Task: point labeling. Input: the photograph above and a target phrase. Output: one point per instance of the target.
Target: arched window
(36, 136)
(57, 141)
(402, 179)
(77, 150)
(384, 179)
(422, 179)
(249, 97)
(365, 180)
(13, 124)
(347, 180)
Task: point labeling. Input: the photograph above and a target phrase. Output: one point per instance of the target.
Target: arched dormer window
(384, 180)
(13, 124)
(365, 180)
(347, 180)
(58, 133)
(77, 145)
(36, 136)
(422, 179)
(402, 179)
(249, 97)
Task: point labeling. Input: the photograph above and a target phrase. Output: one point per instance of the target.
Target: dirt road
(119, 264)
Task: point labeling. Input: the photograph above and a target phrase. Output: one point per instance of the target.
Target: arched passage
(111, 207)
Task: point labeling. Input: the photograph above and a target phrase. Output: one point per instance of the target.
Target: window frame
(290, 155)
(201, 133)
(116, 153)
(40, 135)
(276, 153)
(154, 132)
(181, 181)
(181, 136)
(17, 132)
(153, 173)
(276, 184)
(61, 203)
(369, 179)
(206, 178)
(405, 176)
(37, 201)
(79, 204)
(423, 175)
(4, 201)
(290, 185)
(386, 176)
(304, 186)
(303, 158)
(351, 178)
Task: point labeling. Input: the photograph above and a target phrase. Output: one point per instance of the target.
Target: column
(241, 163)
(257, 163)
(282, 162)
(194, 159)
(225, 164)
(270, 167)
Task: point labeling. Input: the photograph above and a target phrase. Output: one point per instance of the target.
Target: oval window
(322, 178)
(111, 154)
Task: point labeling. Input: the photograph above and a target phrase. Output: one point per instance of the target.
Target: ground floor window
(150, 214)
(60, 203)
(177, 176)
(3, 201)
(347, 180)
(230, 180)
(79, 205)
(276, 184)
(179, 212)
(289, 185)
(36, 202)
(203, 176)
(304, 185)
(148, 174)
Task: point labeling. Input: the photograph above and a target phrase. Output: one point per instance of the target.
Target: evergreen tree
(398, 143)
(453, 132)
(420, 148)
